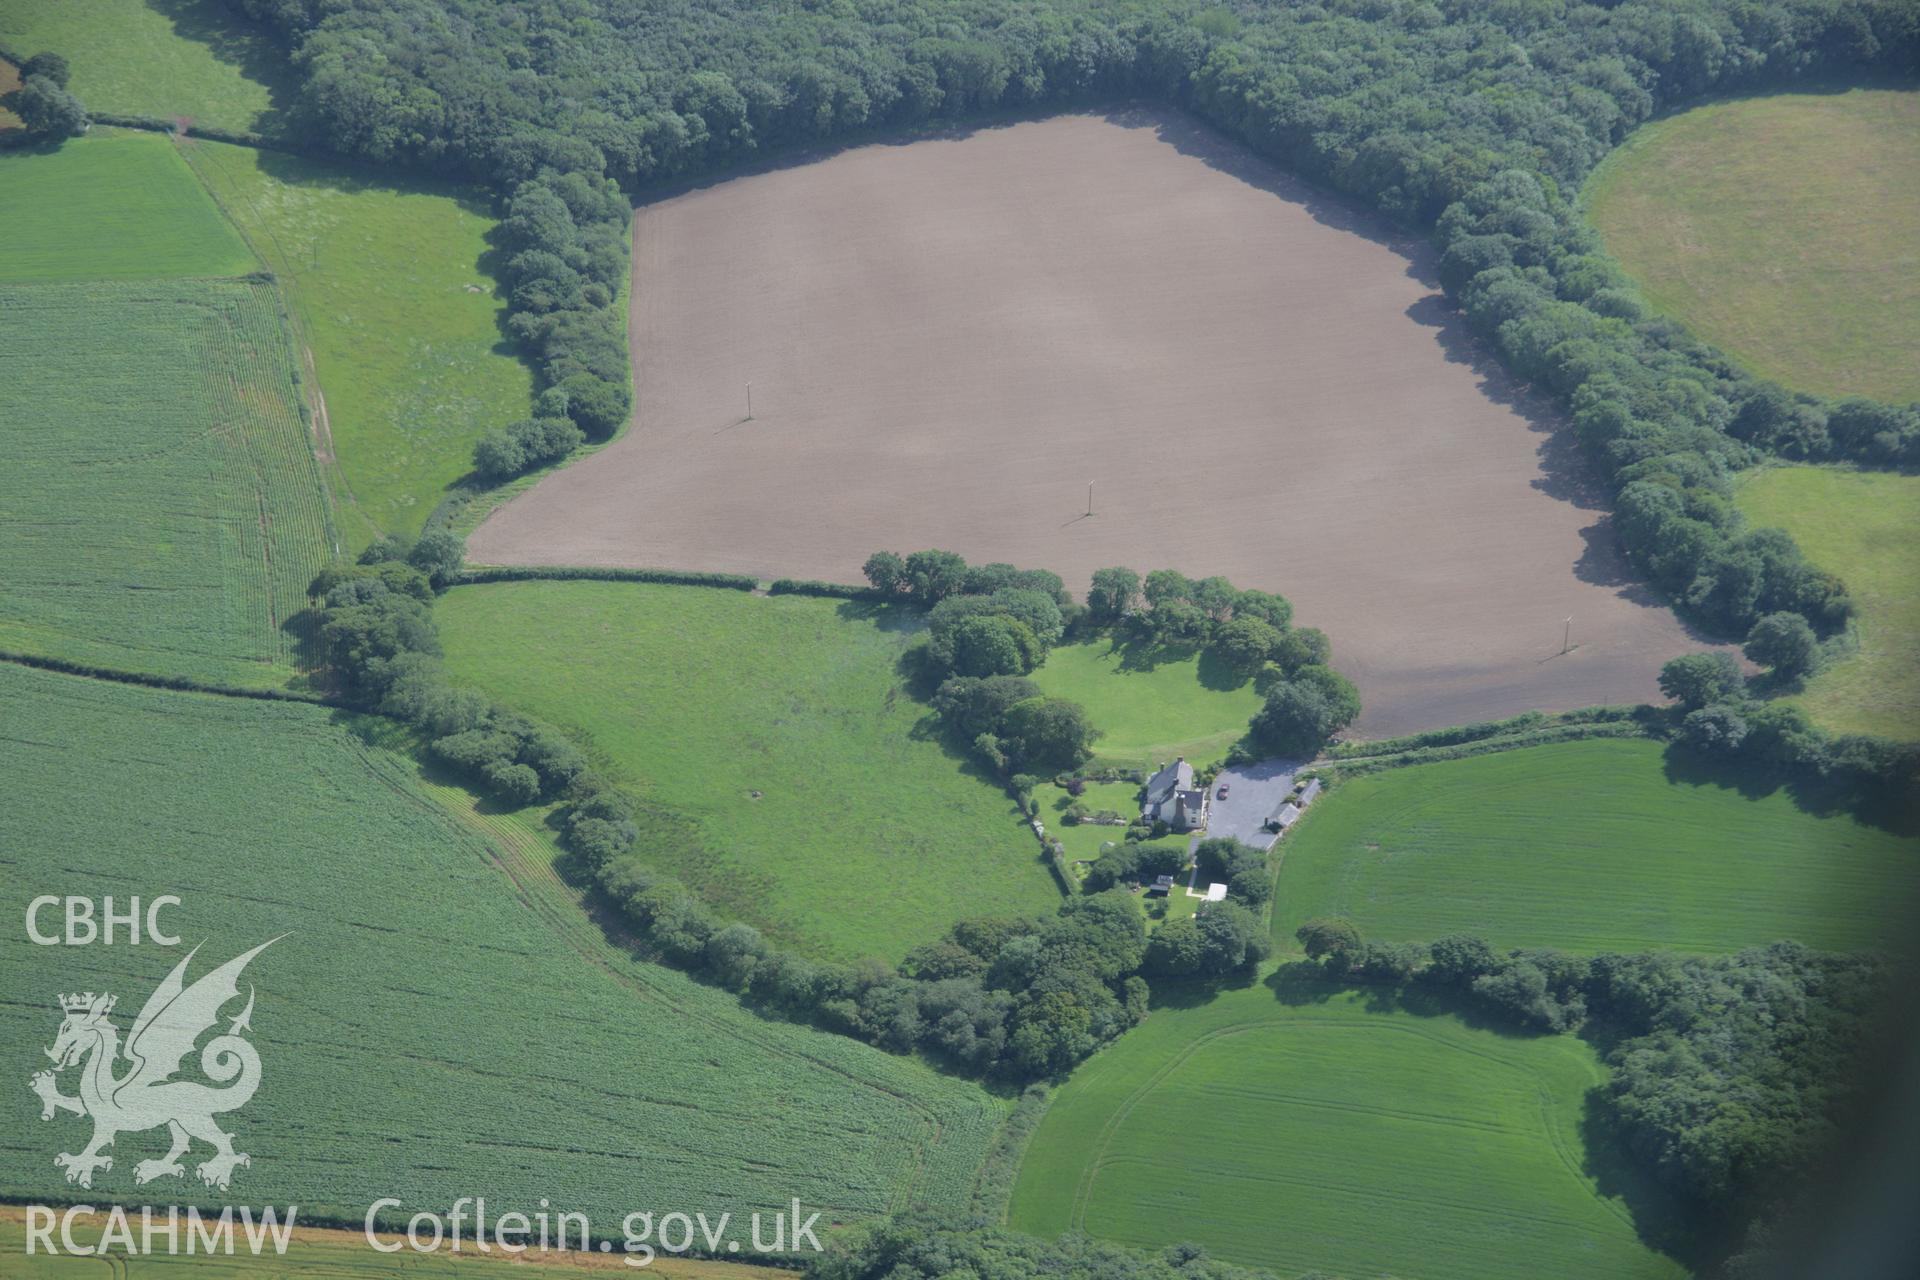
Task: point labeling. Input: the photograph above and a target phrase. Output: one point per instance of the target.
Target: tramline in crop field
(163, 508)
(426, 1031)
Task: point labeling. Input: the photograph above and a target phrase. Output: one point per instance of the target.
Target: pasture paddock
(1865, 526)
(948, 339)
(433, 1025)
(1298, 1128)
(1603, 845)
(798, 785)
(1151, 706)
(170, 58)
(1783, 229)
(383, 274)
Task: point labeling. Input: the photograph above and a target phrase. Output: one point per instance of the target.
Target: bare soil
(948, 339)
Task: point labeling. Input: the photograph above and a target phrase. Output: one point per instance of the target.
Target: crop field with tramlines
(160, 508)
(1299, 1128)
(1591, 846)
(428, 1028)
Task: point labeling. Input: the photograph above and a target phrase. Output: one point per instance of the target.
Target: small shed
(1216, 892)
(1288, 815)
(1308, 792)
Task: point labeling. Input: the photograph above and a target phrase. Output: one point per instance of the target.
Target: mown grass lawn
(1783, 229)
(384, 275)
(1151, 705)
(1864, 526)
(1318, 1133)
(1589, 846)
(812, 797)
(167, 58)
(110, 206)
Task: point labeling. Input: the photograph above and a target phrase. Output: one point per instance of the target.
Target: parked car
(1221, 794)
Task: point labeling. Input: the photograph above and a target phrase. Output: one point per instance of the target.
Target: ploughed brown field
(948, 339)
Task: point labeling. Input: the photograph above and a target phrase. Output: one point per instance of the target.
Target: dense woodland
(1473, 120)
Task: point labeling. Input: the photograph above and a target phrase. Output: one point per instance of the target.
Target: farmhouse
(1171, 798)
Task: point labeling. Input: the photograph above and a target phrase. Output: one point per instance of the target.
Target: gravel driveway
(1254, 793)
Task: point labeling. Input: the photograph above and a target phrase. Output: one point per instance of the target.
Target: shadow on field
(1217, 151)
(1841, 790)
(1661, 1223)
(235, 41)
(1300, 983)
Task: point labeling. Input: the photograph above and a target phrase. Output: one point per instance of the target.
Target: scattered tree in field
(1332, 940)
(932, 576)
(994, 644)
(46, 108)
(1697, 679)
(1244, 645)
(1303, 647)
(438, 553)
(886, 572)
(1302, 711)
(48, 66)
(1113, 593)
(1716, 729)
(1049, 734)
(1783, 642)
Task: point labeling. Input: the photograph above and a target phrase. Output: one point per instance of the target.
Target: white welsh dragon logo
(146, 1096)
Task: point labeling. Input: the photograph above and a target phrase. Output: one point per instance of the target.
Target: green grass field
(1322, 1134)
(155, 57)
(1864, 526)
(440, 1018)
(160, 507)
(822, 809)
(117, 206)
(383, 273)
(1151, 707)
(1785, 230)
(1588, 846)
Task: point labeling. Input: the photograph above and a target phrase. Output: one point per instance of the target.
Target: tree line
(1012, 998)
(1468, 120)
(1728, 1075)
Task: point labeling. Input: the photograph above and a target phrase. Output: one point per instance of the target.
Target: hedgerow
(597, 573)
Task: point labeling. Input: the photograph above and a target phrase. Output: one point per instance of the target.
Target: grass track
(1151, 707)
(868, 836)
(155, 57)
(1864, 526)
(1589, 846)
(420, 996)
(1322, 1134)
(160, 509)
(114, 206)
(384, 276)
(1783, 229)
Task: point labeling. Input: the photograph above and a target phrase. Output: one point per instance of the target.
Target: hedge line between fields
(185, 684)
(593, 573)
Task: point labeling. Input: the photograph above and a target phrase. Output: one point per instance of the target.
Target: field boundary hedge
(177, 684)
(594, 573)
(1650, 723)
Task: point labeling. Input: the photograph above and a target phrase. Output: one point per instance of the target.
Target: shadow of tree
(235, 40)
